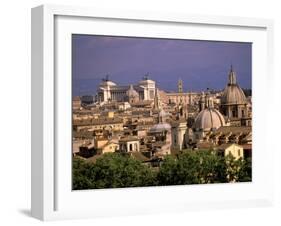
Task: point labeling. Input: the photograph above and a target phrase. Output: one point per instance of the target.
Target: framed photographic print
(136, 112)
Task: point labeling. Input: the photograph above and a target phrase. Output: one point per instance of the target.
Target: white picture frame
(52, 197)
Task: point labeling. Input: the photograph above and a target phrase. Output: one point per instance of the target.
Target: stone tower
(157, 102)
(180, 86)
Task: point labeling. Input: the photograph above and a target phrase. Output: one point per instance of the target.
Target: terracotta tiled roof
(129, 138)
(234, 129)
(99, 121)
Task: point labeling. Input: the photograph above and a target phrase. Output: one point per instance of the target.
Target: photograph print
(159, 112)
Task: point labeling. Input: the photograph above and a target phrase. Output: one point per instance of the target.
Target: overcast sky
(200, 64)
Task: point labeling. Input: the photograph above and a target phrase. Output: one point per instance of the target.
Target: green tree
(81, 174)
(233, 168)
(238, 170)
(115, 170)
(112, 170)
(167, 172)
(245, 174)
(193, 167)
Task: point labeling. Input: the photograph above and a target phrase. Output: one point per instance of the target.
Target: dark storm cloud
(200, 64)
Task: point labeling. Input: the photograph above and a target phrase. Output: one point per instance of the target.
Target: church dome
(131, 92)
(208, 119)
(232, 93)
(161, 127)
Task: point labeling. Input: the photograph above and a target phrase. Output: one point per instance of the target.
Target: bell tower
(202, 102)
(157, 103)
(180, 86)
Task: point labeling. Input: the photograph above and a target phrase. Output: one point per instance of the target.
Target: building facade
(129, 144)
(109, 91)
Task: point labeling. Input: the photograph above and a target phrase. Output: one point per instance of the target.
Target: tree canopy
(114, 170)
(193, 167)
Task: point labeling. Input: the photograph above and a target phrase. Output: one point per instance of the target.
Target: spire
(189, 98)
(232, 76)
(157, 104)
(202, 102)
(180, 86)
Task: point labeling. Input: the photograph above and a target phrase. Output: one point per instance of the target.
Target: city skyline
(131, 134)
(199, 64)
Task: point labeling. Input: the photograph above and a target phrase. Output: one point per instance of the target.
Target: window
(239, 152)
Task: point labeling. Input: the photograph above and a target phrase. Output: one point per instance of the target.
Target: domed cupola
(233, 100)
(162, 123)
(132, 95)
(208, 118)
(131, 92)
(232, 93)
(162, 127)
